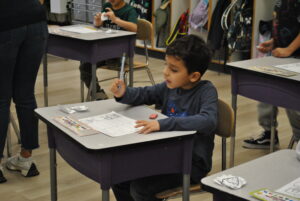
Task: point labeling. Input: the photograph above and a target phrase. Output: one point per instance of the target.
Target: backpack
(199, 16)
(239, 33)
(180, 29)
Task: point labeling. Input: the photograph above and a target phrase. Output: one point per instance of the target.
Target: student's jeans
(86, 71)
(21, 51)
(144, 189)
(264, 118)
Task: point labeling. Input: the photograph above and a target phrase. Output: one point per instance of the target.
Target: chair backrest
(225, 119)
(144, 30)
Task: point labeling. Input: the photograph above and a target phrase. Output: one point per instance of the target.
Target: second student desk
(89, 47)
(111, 160)
(276, 90)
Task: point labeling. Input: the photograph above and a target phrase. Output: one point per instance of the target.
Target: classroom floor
(64, 88)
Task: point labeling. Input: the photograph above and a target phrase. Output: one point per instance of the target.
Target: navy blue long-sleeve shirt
(193, 109)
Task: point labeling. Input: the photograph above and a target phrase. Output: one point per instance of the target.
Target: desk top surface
(271, 171)
(99, 35)
(101, 141)
(268, 62)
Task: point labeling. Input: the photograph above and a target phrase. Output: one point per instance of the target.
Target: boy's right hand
(97, 20)
(266, 46)
(118, 88)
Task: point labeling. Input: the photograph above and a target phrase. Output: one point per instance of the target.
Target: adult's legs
(8, 55)
(28, 62)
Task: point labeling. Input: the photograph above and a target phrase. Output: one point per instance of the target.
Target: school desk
(276, 90)
(111, 160)
(271, 171)
(89, 47)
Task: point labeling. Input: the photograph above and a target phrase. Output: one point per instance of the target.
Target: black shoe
(2, 178)
(101, 95)
(262, 141)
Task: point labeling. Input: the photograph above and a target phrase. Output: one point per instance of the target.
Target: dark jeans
(86, 71)
(21, 51)
(144, 189)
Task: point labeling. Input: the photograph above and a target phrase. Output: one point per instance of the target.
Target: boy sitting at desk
(120, 16)
(190, 104)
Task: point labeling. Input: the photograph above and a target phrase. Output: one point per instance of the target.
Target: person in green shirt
(120, 16)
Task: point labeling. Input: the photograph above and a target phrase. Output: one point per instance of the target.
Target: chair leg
(223, 153)
(81, 91)
(292, 142)
(8, 142)
(15, 127)
(150, 76)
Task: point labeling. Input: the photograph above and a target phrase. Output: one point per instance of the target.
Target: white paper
(291, 189)
(79, 29)
(112, 124)
(295, 67)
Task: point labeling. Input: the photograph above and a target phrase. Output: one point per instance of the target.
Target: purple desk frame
(118, 161)
(272, 89)
(90, 49)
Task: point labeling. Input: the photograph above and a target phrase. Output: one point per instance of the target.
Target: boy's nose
(165, 71)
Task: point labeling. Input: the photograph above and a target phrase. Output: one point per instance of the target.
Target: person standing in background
(23, 36)
(285, 42)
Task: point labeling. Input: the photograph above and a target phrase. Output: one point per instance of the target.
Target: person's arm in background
(288, 51)
(129, 26)
(42, 1)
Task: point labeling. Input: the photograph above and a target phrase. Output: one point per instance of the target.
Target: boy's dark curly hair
(193, 51)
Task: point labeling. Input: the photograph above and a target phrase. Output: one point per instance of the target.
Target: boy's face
(115, 2)
(176, 74)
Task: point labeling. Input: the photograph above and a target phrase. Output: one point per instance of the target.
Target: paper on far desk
(294, 67)
(272, 70)
(291, 189)
(79, 29)
(112, 124)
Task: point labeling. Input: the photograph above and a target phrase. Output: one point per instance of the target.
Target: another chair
(8, 138)
(224, 130)
(144, 33)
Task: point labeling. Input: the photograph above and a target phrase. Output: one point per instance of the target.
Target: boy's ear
(195, 76)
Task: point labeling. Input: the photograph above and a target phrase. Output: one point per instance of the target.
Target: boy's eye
(174, 70)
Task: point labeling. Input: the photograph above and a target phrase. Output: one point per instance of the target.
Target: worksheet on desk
(112, 124)
(291, 189)
(294, 67)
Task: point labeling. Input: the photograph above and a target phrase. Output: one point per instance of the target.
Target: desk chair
(292, 142)
(8, 138)
(224, 130)
(144, 33)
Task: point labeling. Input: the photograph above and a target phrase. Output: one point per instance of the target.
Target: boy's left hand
(148, 126)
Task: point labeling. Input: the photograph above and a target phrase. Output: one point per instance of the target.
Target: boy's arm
(127, 25)
(288, 51)
(204, 122)
(143, 95)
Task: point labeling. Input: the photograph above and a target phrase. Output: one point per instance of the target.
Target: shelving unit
(262, 10)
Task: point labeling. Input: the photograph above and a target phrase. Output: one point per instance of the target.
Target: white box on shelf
(58, 6)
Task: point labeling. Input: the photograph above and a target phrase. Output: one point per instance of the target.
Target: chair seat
(178, 191)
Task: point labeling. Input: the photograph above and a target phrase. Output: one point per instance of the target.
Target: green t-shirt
(127, 13)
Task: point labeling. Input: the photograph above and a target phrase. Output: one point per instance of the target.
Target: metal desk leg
(93, 95)
(130, 71)
(186, 187)
(232, 140)
(53, 177)
(273, 128)
(105, 195)
(45, 76)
